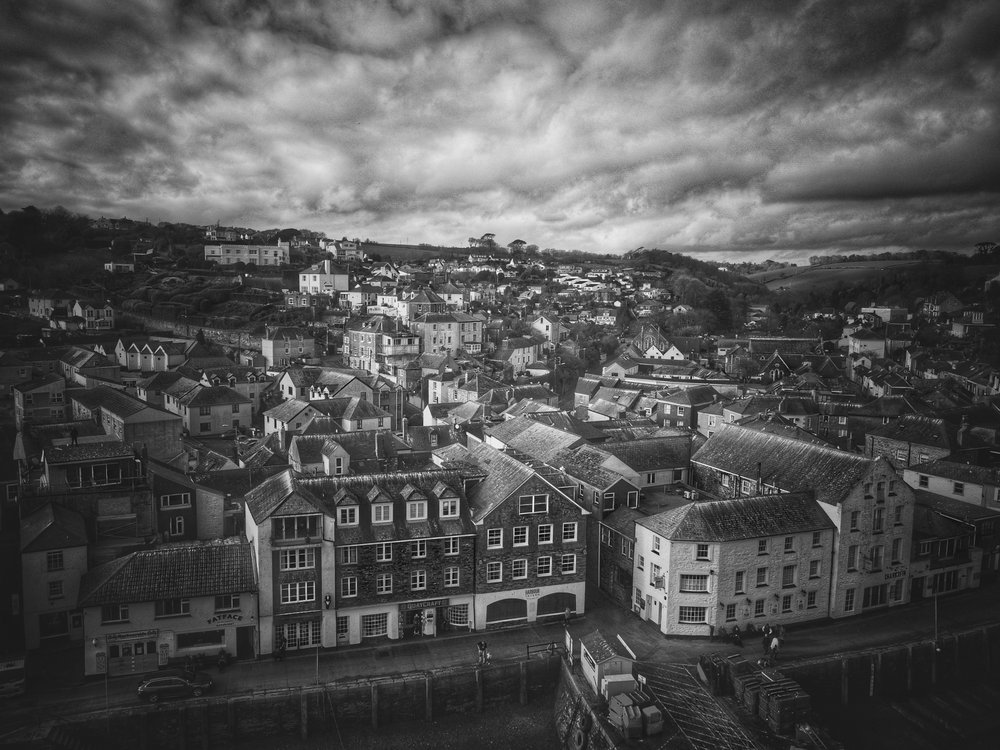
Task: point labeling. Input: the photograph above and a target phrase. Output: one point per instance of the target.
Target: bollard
(429, 698)
(524, 683)
(303, 715)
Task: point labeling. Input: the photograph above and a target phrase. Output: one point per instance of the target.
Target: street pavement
(57, 690)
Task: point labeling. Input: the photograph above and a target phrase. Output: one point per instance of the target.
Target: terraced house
(531, 541)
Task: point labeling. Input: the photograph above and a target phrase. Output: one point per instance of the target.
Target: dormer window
(416, 510)
(449, 508)
(382, 513)
(347, 515)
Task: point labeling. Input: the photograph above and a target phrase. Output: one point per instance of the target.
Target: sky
(736, 130)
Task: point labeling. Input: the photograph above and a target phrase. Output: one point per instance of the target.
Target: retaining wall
(302, 712)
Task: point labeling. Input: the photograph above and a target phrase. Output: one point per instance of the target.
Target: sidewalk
(55, 679)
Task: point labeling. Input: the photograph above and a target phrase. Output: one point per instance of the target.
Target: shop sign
(532, 593)
(133, 635)
(226, 618)
(423, 605)
(891, 575)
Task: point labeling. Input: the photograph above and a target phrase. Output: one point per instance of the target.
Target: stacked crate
(782, 703)
(746, 687)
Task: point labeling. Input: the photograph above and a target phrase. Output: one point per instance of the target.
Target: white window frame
(543, 563)
(348, 587)
(519, 568)
(567, 564)
(416, 510)
(299, 558)
(452, 546)
(381, 512)
(519, 536)
(569, 531)
(383, 583)
(297, 592)
(448, 508)
(544, 533)
(530, 504)
(494, 538)
(347, 515)
(168, 501)
(418, 580)
(418, 549)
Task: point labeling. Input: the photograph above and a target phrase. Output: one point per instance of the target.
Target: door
(917, 589)
(244, 643)
(430, 622)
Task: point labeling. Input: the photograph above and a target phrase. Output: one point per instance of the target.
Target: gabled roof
(537, 439)
(788, 464)
(286, 411)
(504, 475)
(266, 498)
(52, 527)
(214, 395)
(740, 518)
(172, 571)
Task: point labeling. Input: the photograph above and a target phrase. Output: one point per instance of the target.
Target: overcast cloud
(755, 128)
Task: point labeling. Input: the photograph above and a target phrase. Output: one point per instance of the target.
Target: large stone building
(868, 502)
(260, 255)
(713, 565)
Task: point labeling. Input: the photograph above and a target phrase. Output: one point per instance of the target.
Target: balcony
(397, 349)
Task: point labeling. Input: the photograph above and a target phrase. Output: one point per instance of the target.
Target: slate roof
(268, 451)
(699, 394)
(954, 508)
(394, 488)
(959, 472)
(569, 423)
(52, 527)
(776, 424)
(286, 411)
(740, 518)
(504, 475)
(39, 382)
(622, 519)
(917, 429)
(214, 395)
(791, 465)
(527, 406)
(117, 402)
(172, 571)
(307, 448)
(650, 454)
(585, 463)
(267, 497)
(159, 381)
(541, 441)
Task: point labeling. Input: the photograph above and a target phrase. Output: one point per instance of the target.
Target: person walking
(482, 652)
(775, 645)
(765, 640)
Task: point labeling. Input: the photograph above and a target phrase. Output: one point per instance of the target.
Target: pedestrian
(482, 652)
(567, 614)
(766, 638)
(775, 645)
(74, 435)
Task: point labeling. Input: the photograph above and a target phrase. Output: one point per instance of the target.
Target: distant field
(795, 279)
(405, 253)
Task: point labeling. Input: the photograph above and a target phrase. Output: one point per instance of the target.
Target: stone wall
(234, 338)
(222, 722)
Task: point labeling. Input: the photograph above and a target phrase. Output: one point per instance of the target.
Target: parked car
(173, 685)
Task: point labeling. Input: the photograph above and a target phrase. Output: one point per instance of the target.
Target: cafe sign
(225, 618)
(133, 635)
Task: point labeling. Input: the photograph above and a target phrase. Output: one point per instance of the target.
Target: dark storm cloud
(769, 127)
